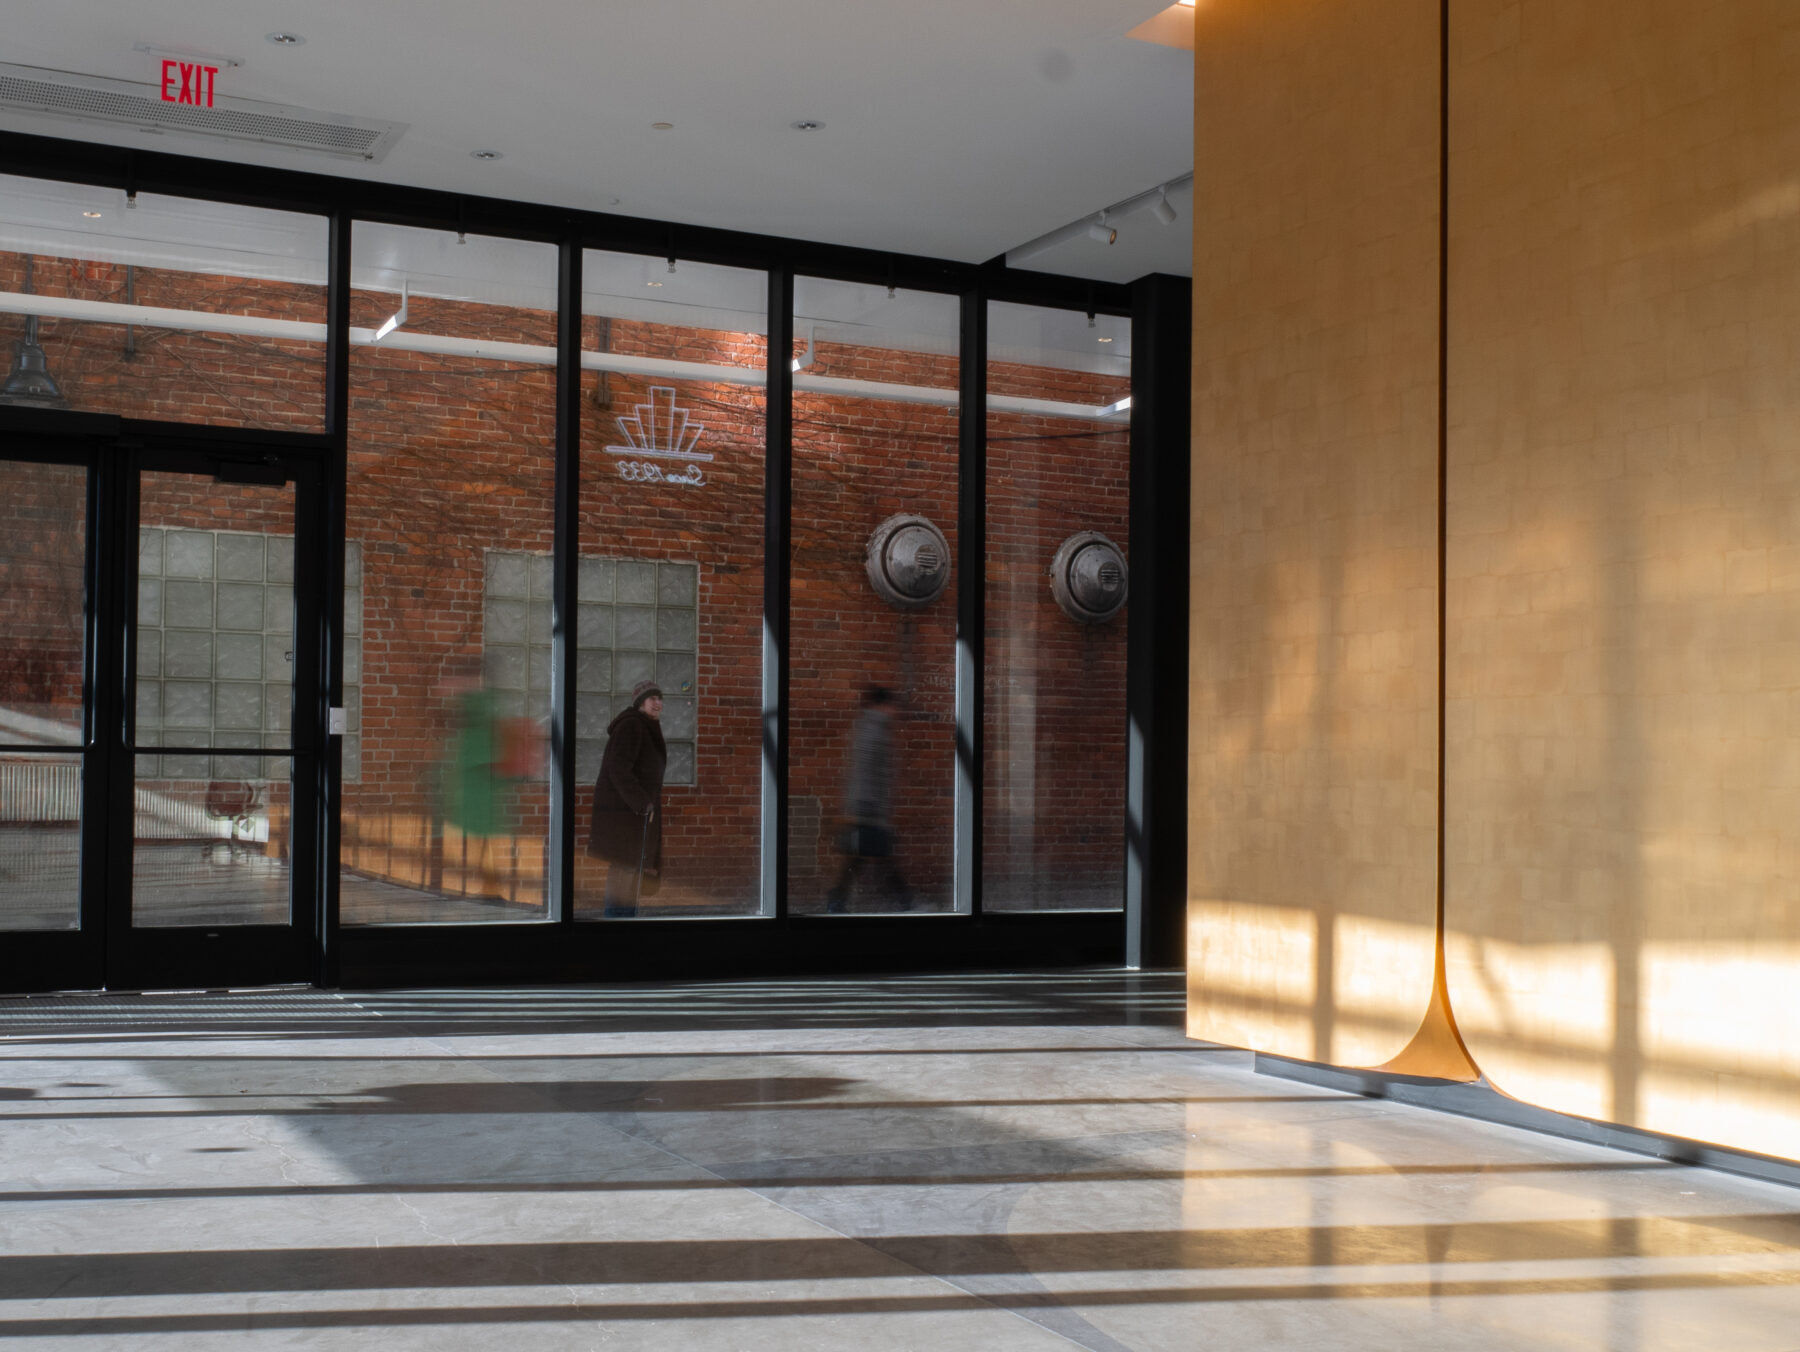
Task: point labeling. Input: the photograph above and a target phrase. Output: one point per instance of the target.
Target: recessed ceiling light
(652, 283)
(91, 215)
(1103, 340)
(807, 124)
(662, 126)
(484, 154)
(285, 39)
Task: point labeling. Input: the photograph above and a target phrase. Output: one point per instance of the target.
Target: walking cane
(637, 887)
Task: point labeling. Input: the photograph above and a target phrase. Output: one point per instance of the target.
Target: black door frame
(106, 950)
(560, 948)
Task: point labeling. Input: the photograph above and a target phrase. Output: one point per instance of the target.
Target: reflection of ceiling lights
(399, 316)
(91, 215)
(652, 283)
(1103, 340)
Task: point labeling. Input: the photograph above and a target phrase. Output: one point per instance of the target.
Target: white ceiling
(952, 129)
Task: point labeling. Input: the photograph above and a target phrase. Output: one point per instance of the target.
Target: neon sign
(656, 431)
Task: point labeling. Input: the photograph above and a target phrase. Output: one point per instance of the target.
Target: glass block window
(215, 655)
(638, 620)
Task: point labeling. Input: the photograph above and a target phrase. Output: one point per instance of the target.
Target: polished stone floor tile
(993, 1161)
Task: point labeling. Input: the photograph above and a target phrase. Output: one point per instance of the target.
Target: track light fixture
(1099, 225)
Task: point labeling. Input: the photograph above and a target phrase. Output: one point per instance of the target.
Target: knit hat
(642, 691)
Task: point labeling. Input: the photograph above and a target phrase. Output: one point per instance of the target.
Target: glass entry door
(160, 724)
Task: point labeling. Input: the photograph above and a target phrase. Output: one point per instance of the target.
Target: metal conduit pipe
(536, 354)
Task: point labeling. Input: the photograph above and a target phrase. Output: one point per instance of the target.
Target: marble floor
(994, 1162)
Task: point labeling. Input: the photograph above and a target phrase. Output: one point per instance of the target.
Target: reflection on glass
(1058, 467)
(173, 309)
(40, 841)
(43, 546)
(670, 585)
(214, 700)
(873, 600)
(447, 609)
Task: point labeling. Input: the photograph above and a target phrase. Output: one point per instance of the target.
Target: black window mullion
(778, 467)
(328, 781)
(565, 584)
(971, 595)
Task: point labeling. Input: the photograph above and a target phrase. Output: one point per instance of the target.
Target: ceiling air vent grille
(92, 99)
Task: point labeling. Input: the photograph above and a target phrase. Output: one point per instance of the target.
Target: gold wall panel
(1623, 753)
(1313, 771)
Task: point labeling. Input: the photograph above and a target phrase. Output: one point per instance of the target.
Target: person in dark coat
(627, 830)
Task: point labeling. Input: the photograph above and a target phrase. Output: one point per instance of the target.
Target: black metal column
(1157, 626)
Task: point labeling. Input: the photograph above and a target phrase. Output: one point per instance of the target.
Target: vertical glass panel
(872, 772)
(211, 808)
(43, 525)
(173, 309)
(43, 548)
(40, 841)
(670, 584)
(1058, 504)
(451, 493)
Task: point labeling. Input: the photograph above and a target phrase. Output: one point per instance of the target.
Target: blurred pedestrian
(627, 830)
(867, 837)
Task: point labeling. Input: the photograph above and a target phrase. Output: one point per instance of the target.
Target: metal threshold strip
(534, 354)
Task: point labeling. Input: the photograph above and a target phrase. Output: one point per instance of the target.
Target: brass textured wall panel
(1623, 771)
(1313, 773)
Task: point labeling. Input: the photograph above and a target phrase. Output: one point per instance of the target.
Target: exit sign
(188, 82)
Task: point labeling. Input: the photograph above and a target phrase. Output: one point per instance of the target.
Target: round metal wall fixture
(908, 560)
(1089, 577)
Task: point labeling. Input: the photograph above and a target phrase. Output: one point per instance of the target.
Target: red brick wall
(219, 378)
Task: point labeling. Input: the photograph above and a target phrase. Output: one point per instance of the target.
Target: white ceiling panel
(951, 129)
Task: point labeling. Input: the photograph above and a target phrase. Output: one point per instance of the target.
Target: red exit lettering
(188, 82)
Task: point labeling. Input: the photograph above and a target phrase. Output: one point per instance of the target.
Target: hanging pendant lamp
(29, 383)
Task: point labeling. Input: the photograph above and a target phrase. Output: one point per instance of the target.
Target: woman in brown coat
(627, 830)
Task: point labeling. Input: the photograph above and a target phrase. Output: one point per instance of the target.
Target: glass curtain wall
(447, 598)
(872, 626)
(43, 551)
(670, 588)
(158, 307)
(1058, 508)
